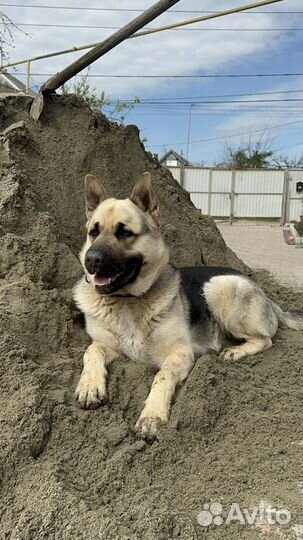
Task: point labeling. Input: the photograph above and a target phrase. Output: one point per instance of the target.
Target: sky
(177, 73)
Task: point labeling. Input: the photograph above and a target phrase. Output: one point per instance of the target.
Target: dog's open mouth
(104, 281)
(109, 284)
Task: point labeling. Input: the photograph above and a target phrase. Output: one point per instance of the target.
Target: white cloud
(268, 115)
(171, 52)
(174, 52)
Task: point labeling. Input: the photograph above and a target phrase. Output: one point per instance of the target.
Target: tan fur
(244, 311)
(151, 329)
(148, 319)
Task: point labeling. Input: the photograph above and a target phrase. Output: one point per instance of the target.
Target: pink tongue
(101, 281)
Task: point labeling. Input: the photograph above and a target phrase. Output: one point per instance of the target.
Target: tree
(285, 162)
(7, 28)
(6, 35)
(249, 155)
(114, 110)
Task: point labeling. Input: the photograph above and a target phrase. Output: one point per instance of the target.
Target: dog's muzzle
(110, 272)
(101, 261)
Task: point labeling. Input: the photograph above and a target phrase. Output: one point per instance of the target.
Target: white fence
(250, 193)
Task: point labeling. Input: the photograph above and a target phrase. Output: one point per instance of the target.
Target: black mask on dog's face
(111, 273)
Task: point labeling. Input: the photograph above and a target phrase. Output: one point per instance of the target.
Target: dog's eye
(95, 231)
(122, 232)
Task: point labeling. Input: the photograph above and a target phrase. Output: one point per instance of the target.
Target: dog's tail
(289, 319)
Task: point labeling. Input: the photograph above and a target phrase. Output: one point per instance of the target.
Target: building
(10, 85)
(173, 159)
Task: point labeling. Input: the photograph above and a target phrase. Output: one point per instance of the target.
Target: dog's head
(124, 252)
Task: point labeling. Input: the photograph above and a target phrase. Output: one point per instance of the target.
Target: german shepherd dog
(138, 305)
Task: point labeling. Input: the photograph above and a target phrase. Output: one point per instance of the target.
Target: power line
(92, 27)
(288, 146)
(265, 113)
(74, 8)
(262, 113)
(193, 98)
(208, 76)
(228, 136)
(224, 101)
(198, 19)
(252, 114)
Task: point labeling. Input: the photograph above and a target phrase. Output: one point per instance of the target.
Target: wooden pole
(28, 76)
(109, 43)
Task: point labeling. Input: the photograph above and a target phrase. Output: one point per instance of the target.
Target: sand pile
(235, 434)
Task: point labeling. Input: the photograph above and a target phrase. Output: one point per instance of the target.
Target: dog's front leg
(174, 371)
(91, 389)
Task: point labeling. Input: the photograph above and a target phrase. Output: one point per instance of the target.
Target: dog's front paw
(90, 393)
(148, 426)
(231, 354)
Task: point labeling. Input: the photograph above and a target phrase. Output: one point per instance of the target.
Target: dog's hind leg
(249, 347)
(91, 389)
(244, 312)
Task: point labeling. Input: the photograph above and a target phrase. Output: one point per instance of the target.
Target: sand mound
(66, 474)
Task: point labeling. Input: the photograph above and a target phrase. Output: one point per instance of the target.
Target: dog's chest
(132, 328)
(132, 341)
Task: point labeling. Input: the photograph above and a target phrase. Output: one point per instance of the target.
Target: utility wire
(74, 8)
(228, 101)
(92, 27)
(224, 13)
(193, 98)
(228, 136)
(288, 146)
(286, 115)
(265, 111)
(207, 76)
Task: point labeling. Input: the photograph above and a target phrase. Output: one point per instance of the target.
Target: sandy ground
(235, 432)
(263, 246)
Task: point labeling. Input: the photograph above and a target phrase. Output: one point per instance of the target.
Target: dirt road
(263, 246)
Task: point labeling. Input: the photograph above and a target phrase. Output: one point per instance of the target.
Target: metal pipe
(207, 17)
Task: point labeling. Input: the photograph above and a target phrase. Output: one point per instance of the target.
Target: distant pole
(188, 129)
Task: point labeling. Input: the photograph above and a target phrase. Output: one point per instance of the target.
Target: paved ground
(263, 246)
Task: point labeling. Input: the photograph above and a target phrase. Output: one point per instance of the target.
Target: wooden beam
(105, 46)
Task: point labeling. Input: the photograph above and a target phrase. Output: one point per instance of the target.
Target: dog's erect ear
(95, 193)
(144, 197)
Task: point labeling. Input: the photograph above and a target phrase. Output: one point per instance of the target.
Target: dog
(139, 306)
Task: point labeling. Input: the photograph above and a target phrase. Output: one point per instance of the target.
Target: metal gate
(251, 193)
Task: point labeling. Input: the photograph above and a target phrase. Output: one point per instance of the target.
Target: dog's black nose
(93, 260)
(102, 260)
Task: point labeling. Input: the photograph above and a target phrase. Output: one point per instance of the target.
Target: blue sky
(259, 42)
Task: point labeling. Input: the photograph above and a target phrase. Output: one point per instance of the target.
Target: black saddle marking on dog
(193, 278)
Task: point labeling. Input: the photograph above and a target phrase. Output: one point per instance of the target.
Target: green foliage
(98, 102)
(249, 155)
